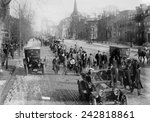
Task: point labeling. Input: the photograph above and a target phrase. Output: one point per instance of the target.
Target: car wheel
(124, 100)
(92, 100)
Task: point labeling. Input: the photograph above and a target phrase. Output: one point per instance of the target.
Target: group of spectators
(121, 68)
(78, 58)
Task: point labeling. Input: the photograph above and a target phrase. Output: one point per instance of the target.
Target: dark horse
(143, 54)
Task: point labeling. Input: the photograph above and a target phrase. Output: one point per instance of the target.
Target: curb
(6, 87)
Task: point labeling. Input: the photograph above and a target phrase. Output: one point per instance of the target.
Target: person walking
(138, 83)
(12, 50)
(5, 55)
(98, 58)
(114, 73)
(55, 63)
(104, 60)
(65, 64)
(90, 60)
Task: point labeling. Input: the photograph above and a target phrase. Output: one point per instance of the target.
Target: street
(51, 89)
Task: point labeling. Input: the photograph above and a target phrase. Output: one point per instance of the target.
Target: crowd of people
(77, 59)
(122, 69)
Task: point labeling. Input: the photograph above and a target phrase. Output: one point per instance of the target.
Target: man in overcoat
(98, 58)
(138, 83)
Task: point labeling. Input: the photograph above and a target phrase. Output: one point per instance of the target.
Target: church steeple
(75, 11)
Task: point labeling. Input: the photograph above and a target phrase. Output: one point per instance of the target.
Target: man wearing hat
(98, 58)
(56, 64)
(91, 60)
(138, 83)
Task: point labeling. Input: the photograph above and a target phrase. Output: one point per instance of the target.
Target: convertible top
(28, 48)
(120, 46)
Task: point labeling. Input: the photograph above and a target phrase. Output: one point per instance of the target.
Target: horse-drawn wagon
(33, 61)
(122, 51)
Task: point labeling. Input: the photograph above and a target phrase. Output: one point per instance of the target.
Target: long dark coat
(98, 58)
(138, 83)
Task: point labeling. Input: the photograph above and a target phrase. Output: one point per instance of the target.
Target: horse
(148, 55)
(143, 54)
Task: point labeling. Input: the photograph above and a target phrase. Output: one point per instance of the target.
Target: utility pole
(20, 35)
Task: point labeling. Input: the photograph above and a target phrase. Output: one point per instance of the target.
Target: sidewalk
(6, 75)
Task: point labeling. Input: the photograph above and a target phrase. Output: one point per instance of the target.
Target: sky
(56, 10)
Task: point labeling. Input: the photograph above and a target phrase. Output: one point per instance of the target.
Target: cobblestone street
(43, 89)
(51, 89)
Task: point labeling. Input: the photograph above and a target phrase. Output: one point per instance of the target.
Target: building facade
(147, 26)
(125, 26)
(4, 23)
(63, 28)
(92, 29)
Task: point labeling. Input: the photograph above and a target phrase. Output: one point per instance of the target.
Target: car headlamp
(84, 91)
(116, 91)
(101, 93)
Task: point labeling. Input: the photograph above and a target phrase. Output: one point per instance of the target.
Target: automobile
(72, 66)
(104, 95)
(32, 60)
(97, 90)
(122, 51)
(85, 83)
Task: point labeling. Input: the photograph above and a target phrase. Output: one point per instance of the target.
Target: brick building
(92, 28)
(147, 26)
(147, 29)
(4, 23)
(125, 25)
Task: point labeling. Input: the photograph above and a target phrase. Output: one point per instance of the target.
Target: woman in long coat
(138, 83)
(55, 63)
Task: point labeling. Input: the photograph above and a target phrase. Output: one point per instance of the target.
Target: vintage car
(96, 89)
(85, 84)
(122, 51)
(32, 60)
(106, 95)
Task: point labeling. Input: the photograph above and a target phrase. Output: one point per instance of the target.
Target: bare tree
(3, 8)
(23, 11)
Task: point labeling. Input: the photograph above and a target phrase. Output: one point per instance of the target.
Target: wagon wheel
(123, 100)
(26, 69)
(43, 69)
